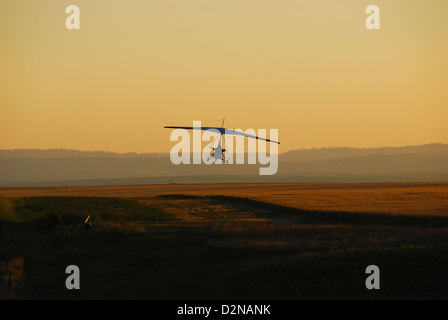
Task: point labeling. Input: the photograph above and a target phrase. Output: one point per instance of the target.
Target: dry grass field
(226, 241)
(392, 197)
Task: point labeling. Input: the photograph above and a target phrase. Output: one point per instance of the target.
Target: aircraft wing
(223, 131)
(220, 130)
(237, 133)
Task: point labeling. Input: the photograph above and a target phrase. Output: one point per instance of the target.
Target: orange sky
(307, 68)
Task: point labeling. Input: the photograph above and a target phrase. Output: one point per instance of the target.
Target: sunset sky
(308, 68)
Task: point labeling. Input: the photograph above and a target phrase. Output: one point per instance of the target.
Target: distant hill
(67, 153)
(32, 167)
(435, 149)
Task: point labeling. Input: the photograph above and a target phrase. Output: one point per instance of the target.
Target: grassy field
(228, 241)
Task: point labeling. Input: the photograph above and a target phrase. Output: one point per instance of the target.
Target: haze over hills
(67, 153)
(33, 167)
(434, 149)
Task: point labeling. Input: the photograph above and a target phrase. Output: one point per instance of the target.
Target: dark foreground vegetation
(215, 247)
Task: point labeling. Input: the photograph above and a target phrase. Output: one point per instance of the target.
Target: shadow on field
(274, 211)
(215, 247)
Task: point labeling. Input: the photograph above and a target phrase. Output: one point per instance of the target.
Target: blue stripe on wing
(223, 131)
